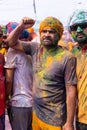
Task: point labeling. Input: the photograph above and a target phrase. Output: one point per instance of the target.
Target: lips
(46, 40)
(80, 35)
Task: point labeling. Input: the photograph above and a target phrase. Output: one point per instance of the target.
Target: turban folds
(11, 26)
(78, 17)
(24, 34)
(52, 22)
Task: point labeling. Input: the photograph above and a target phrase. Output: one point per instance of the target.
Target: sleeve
(70, 72)
(10, 60)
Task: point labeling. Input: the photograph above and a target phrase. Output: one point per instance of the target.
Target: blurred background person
(19, 79)
(2, 85)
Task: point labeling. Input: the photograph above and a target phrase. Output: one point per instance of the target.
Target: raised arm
(13, 38)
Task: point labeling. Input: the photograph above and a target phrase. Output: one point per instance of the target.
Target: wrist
(70, 123)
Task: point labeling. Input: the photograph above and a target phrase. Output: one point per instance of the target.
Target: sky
(15, 10)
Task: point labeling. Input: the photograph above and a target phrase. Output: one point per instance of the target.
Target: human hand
(27, 22)
(68, 126)
(7, 101)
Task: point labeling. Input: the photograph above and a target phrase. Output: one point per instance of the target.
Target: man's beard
(52, 44)
(82, 42)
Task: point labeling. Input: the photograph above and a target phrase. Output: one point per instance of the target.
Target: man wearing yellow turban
(54, 84)
(51, 22)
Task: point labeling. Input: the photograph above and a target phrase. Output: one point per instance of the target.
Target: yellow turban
(52, 22)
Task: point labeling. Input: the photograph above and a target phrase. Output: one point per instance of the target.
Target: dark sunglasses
(82, 26)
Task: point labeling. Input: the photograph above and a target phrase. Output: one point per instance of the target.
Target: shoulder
(76, 51)
(65, 53)
(12, 51)
(68, 57)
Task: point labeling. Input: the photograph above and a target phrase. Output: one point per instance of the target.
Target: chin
(82, 43)
(82, 40)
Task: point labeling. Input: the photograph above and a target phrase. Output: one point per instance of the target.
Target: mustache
(79, 34)
(47, 38)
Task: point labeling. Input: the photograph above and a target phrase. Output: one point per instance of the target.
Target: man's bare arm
(71, 93)
(13, 38)
(9, 84)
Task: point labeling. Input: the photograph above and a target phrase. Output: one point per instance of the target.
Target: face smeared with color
(51, 30)
(78, 26)
(79, 33)
(49, 37)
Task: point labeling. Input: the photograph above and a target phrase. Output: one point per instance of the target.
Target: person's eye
(52, 31)
(44, 31)
(84, 26)
(73, 28)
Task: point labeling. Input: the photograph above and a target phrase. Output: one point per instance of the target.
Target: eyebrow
(50, 31)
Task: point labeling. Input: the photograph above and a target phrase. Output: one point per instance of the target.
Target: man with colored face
(78, 30)
(54, 83)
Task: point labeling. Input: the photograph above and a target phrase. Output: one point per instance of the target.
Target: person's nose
(79, 29)
(47, 33)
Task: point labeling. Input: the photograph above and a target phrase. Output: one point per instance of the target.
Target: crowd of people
(42, 81)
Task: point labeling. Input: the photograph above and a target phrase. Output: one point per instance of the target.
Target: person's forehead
(45, 28)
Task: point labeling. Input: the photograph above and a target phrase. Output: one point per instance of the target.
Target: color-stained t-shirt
(82, 84)
(2, 85)
(53, 70)
(23, 78)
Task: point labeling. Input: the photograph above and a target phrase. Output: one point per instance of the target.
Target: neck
(50, 48)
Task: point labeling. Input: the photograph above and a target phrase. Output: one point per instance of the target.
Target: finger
(27, 20)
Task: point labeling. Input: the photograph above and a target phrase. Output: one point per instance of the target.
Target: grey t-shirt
(53, 70)
(23, 78)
